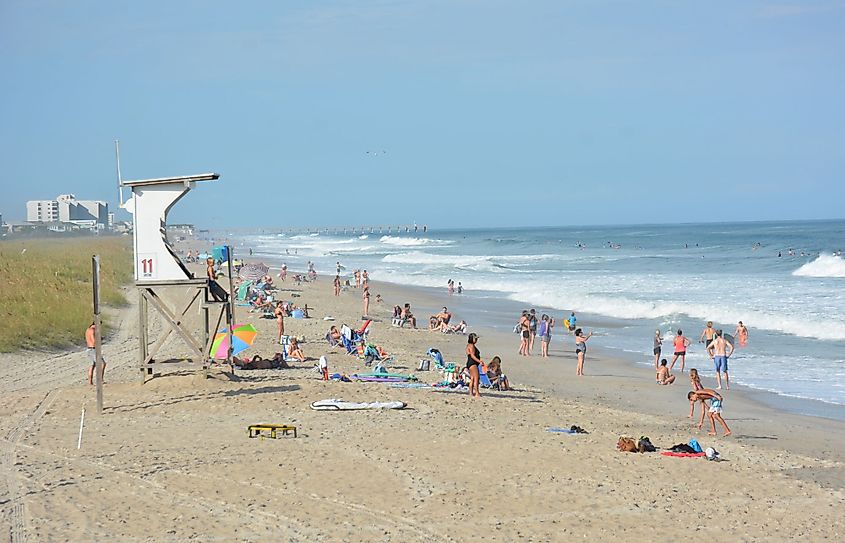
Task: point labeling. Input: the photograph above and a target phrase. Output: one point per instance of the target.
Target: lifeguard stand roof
(166, 180)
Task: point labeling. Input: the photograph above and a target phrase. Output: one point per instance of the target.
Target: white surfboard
(340, 405)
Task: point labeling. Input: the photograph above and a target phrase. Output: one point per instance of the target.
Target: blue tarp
(220, 253)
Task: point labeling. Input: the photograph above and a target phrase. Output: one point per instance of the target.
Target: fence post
(98, 346)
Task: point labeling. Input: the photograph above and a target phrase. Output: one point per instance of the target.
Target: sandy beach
(170, 460)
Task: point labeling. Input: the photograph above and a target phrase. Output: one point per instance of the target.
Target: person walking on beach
(283, 272)
(720, 350)
(681, 343)
(707, 335)
(581, 350)
(337, 285)
(279, 313)
(714, 412)
(658, 347)
(365, 278)
(473, 365)
(366, 296)
(741, 334)
(524, 333)
(91, 343)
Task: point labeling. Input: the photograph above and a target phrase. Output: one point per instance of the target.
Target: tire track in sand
(17, 511)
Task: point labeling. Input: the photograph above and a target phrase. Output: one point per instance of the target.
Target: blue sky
(475, 113)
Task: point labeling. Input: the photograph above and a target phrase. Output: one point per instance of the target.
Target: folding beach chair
(483, 380)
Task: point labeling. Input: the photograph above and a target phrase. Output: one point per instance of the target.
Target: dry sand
(170, 460)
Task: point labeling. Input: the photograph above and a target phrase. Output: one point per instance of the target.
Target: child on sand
(715, 411)
(695, 381)
(663, 375)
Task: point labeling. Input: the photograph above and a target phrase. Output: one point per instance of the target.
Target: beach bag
(626, 444)
(693, 443)
(517, 329)
(541, 329)
(644, 445)
(682, 448)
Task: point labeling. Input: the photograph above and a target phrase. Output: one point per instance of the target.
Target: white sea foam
(571, 294)
(824, 266)
(412, 242)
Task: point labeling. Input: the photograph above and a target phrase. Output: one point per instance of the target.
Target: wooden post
(98, 347)
(230, 309)
(142, 333)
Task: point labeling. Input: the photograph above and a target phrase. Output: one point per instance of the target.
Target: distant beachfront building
(67, 209)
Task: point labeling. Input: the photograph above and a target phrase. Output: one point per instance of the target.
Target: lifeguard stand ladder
(158, 269)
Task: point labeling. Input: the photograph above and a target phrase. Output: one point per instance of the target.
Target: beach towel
(682, 455)
(561, 430)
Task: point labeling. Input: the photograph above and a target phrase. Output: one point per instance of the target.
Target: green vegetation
(46, 289)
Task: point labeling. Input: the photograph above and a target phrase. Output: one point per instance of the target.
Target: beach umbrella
(242, 337)
(253, 271)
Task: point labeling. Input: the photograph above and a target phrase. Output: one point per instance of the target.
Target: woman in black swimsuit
(473, 364)
(581, 349)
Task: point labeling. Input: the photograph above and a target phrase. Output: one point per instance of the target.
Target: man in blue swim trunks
(720, 350)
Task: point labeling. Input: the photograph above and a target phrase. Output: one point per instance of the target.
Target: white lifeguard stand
(158, 267)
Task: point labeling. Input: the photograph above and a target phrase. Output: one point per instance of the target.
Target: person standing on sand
(681, 343)
(473, 365)
(581, 350)
(366, 296)
(741, 334)
(365, 278)
(336, 284)
(524, 333)
(532, 329)
(707, 334)
(214, 287)
(720, 352)
(658, 347)
(545, 332)
(279, 313)
(715, 411)
(91, 343)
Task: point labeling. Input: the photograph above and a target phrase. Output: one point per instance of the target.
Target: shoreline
(510, 310)
(630, 384)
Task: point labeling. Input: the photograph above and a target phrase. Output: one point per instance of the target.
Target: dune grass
(46, 288)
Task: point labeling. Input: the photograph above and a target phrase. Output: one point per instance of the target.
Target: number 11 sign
(146, 266)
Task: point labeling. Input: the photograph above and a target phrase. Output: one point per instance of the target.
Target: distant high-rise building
(66, 208)
(42, 211)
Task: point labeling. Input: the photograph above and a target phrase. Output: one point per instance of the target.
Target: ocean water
(627, 281)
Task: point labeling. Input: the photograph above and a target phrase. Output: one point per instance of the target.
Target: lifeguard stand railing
(166, 284)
